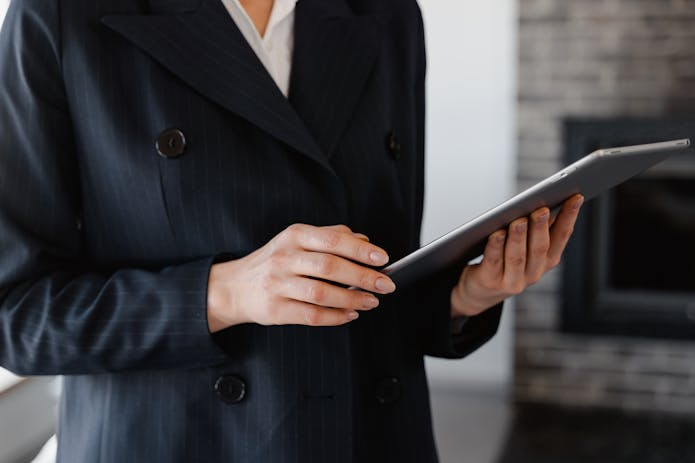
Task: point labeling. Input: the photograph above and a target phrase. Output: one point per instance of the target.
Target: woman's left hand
(515, 259)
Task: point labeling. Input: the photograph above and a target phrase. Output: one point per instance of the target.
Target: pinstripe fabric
(105, 246)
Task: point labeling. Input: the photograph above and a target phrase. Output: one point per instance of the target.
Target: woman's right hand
(295, 278)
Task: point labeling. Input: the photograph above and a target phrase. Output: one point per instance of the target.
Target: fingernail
(385, 285)
(501, 237)
(379, 258)
(577, 204)
(521, 227)
(352, 315)
(369, 302)
(543, 218)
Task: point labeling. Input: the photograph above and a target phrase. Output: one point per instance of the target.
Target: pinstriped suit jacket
(105, 246)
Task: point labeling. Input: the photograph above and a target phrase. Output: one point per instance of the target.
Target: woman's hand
(281, 283)
(515, 259)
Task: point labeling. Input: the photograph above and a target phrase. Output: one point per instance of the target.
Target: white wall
(27, 417)
(3, 9)
(471, 143)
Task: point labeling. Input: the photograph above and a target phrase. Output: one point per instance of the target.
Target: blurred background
(597, 361)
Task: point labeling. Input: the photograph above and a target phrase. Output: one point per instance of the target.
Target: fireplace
(630, 268)
(606, 329)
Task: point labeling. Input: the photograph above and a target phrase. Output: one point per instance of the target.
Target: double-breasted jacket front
(141, 141)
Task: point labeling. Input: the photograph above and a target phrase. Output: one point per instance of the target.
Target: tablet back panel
(590, 176)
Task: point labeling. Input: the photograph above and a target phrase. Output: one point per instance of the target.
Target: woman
(189, 187)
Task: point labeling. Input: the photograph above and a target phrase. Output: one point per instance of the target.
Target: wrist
(215, 300)
(463, 305)
(455, 303)
(220, 311)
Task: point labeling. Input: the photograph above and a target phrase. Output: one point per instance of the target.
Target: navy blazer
(141, 141)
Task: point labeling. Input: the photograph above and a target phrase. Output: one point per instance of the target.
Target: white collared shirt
(274, 49)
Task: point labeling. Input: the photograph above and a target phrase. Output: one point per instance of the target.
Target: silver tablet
(590, 176)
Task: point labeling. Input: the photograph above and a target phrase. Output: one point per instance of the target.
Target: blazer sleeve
(434, 292)
(58, 315)
(440, 341)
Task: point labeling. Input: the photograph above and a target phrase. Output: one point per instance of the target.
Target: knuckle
(295, 228)
(312, 316)
(517, 261)
(277, 258)
(517, 288)
(315, 293)
(291, 233)
(490, 284)
(366, 280)
(331, 239)
(540, 249)
(355, 301)
(325, 265)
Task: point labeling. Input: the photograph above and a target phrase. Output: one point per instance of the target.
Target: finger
(562, 228)
(538, 245)
(334, 241)
(553, 215)
(327, 295)
(492, 266)
(361, 236)
(515, 256)
(303, 313)
(340, 227)
(336, 269)
(346, 229)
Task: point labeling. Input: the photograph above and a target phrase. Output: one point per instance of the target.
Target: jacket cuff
(445, 339)
(199, 344)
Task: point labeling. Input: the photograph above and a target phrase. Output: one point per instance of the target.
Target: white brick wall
(596, 58)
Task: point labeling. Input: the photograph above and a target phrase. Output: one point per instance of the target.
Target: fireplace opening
(653, 233)
(630, 268)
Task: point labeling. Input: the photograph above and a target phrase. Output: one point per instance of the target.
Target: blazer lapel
(334, 53)
(205, 49)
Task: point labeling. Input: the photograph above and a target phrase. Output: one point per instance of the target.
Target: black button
(393, 146)
(230, 388)
(388, 391)
(171, 143)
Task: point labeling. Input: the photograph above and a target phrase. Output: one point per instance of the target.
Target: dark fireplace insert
(630, 267)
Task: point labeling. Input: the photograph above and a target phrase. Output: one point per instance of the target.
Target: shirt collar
(281, 9)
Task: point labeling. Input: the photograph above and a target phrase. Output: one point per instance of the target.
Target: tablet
(590, 176)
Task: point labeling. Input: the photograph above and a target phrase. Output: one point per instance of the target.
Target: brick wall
(597, 58)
